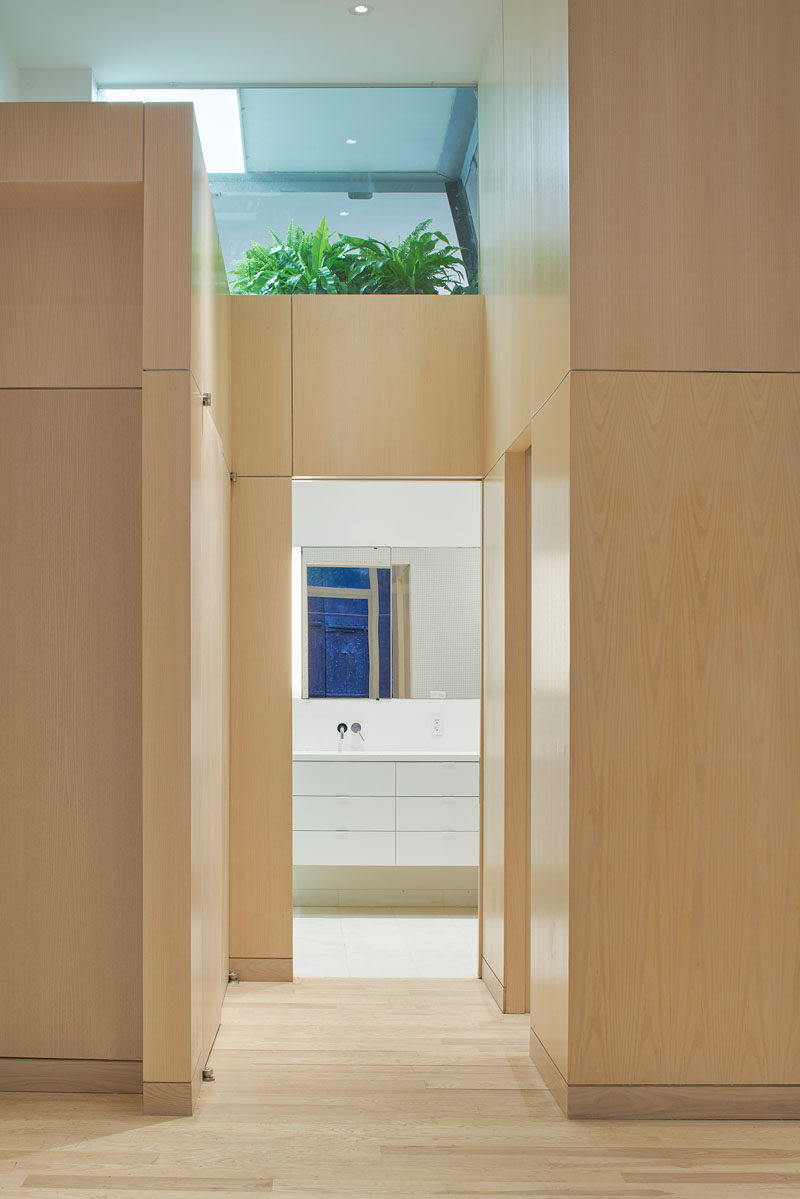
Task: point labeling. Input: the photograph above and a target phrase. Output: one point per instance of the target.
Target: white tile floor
(385, 943)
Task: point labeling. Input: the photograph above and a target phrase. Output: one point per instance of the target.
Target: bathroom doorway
(386, 664)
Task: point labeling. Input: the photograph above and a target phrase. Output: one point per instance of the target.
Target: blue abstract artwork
(339, 632)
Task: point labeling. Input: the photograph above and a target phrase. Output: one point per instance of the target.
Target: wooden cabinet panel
(70, 725)
(684, 956)
(210, 304)
(261, 719)
(525, 186)
(550, 724)
(492, 913)
(169, 151)
(261, 384)
(167, 719)
(388, 386)
(506, 745)
(71, 143)
(71, 300)
(684, 163)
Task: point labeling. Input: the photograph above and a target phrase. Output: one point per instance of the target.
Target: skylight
(216, 111)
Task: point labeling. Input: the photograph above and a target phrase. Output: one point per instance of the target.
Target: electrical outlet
(436, 726)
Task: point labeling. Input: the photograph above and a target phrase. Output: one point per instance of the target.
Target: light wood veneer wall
(505, 750)
(70, 634)
(114, 643)
(665, 560)
(186, 613)
(351, 386)
(523, 133)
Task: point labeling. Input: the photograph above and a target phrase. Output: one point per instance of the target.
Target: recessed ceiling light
(344, 212)
(360, 10)
(350, 141)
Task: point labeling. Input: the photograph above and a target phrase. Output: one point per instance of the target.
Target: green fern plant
(302, 262)
(424, 263)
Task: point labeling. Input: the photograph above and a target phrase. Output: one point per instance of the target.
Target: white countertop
(388, 755)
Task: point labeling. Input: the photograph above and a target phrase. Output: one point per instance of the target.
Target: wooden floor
(344, 1089)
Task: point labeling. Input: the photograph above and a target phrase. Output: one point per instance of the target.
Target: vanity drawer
(438, 813)
(437, 849)
(343, 778)
(438, 778)
(369, 814)
(343, 849)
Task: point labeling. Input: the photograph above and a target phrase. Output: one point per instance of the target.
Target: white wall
(52, 84)
(358, 513)
(9, 76)
(385, 514)
(403, 725)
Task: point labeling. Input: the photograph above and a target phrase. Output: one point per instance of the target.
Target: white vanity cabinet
(420, 812)
(343, 813)
(436, 813)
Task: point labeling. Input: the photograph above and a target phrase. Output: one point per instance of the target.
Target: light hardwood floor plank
(403, 1089)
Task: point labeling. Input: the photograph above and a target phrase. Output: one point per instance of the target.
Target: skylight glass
(216, 112)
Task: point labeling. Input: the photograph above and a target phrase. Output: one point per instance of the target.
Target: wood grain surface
(65, 1075)
(494, 711)
(71, 301)
(685, 826)
(71, 143)
(263, 970)
(70, 725)
(524, 203)
(167, 400)
(169, 156)
(211, 524)
(517, 734)
(684, 160)
(261, 384)
(551, 903)
(261, 719)
(505, 909)
(351, 1089)
(210, 304)
(388, 386)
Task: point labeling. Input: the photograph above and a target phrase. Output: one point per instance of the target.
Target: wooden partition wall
(70, 634)
(114, 515)
(665, 557)
(337, 387)
(505, 750)
(185, 588)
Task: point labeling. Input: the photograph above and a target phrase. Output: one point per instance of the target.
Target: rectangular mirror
(391, 623)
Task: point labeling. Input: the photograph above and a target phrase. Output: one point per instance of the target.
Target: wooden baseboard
(493, 985)
(263, 970)
(684, 1103)
(667, 1102)
(554, 1080)
(90, 1076)
(167, 1099)
(173, 1098)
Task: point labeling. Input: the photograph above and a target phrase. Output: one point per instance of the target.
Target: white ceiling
(251, 41)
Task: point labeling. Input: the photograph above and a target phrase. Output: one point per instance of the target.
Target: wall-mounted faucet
(356, 728)
(341, 729)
